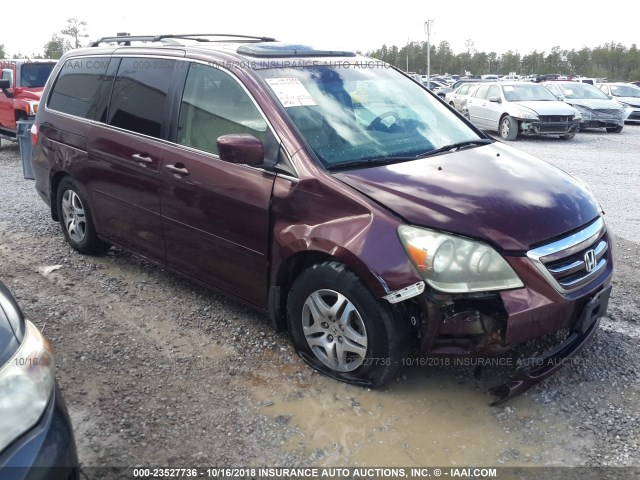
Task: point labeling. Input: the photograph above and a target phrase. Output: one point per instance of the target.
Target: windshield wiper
(371, 162)
(377, 161)
(457, 147)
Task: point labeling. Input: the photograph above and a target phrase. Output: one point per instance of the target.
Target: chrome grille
(572, 262)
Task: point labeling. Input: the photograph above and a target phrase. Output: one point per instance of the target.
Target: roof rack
(289, 50)
(167, 39)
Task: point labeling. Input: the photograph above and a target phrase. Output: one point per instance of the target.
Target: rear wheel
(508, 128)
(341, 329)
(75, 219)
(617, 129)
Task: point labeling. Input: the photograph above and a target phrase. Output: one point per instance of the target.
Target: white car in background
(595, 107)
(628, 95)
(521, 108)
(458, 97)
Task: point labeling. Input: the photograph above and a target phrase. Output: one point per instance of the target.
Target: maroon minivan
(328, 190)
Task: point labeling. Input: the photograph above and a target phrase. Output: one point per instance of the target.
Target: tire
(568, 136)
(508, 128)
(75, 220)
(329, 308)
(452, 105)
(617, 129)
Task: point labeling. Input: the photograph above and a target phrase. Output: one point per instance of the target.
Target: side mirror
(7, 76)
(242, 149)
(495, 99)
(560, 97)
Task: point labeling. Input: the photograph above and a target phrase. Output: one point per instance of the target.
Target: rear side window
(139, 95)
(482, 92)
(78, 85)
(214, 104)
(494, 91)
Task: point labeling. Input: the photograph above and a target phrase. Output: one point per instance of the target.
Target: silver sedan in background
(458, 97)
(627, 94)
(595, 107)
(521, 108)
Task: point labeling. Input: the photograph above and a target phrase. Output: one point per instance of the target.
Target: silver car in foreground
(521, 108)
(595, 107)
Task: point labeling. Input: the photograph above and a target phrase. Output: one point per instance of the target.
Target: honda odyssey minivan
(329, 191)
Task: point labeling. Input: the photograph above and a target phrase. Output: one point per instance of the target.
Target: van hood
(493, 192)
(548, 107)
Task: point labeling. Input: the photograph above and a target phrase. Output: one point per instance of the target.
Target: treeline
(611, 60)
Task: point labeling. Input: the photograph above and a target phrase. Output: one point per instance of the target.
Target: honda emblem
(590, 260)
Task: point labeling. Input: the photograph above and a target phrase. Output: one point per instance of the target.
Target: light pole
(428, 26)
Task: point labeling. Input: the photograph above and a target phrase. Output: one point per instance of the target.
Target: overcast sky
(354, 25)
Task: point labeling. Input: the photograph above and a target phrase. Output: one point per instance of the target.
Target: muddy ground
(159, 371)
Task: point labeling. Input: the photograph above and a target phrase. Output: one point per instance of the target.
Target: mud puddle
(430, 417)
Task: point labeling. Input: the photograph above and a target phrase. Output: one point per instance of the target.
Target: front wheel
(617, 129)
(508, 128)
(341, 329)
(75, 219)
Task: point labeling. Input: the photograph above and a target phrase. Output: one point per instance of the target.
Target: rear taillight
(34, 134)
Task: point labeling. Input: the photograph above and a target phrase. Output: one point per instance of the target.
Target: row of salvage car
(559, 108)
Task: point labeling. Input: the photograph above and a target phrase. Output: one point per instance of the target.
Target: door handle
(142, 158)
(179, 170)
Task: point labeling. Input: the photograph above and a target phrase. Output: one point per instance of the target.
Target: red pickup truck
(21, 86)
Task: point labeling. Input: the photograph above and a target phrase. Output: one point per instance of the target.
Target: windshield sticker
(291, 92)
(508, 88)
(568, 92)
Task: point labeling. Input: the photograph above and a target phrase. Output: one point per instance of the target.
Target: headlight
(32, 108)
(454, 264)
(526, 115)
(27, 384)
(580, 110)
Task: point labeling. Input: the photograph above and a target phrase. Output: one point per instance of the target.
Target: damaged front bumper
(534, 370)
(549, 127)
(608, 118)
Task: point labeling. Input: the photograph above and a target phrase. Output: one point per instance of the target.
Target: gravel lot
(159, 371)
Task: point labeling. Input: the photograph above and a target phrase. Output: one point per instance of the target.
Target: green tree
(532, 63)
(492, 59)
(579, 62)
(56, 47)
(3, 53)
(442, 57)
(509, 62)
(76, 30)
